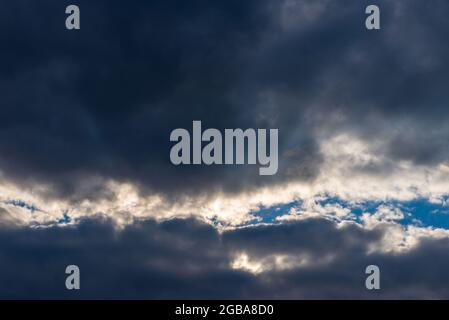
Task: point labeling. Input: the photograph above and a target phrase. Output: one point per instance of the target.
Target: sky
(85, 171)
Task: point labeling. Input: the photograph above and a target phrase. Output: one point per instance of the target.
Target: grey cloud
(103, 101)
(78, 108)
(189, 259)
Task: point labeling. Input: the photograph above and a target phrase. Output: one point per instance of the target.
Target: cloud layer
(102, 101)
(190, 259)
(85, 174)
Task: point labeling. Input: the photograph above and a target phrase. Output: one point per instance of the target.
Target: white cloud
(346, 173)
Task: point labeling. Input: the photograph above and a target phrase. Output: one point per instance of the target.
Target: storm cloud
(102, 101)
(85, 173)
(189, 259)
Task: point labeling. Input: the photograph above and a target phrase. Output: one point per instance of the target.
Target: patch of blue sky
(66, 219)
(419, 212)
(426, 214)
(22, 204)
(269, 214)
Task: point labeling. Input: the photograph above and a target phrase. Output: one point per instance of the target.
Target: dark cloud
(188, 259)
(78, 108)
(103, 100)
